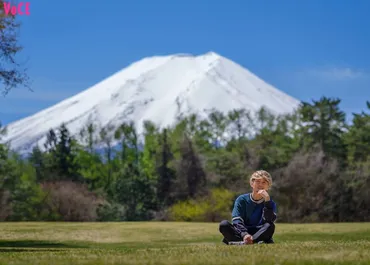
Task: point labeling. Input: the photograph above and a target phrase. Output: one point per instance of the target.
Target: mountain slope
(157, 89)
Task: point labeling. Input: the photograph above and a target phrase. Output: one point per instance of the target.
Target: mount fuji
(158, 89)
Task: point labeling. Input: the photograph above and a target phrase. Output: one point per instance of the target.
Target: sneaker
(270, 241)
(236, 243)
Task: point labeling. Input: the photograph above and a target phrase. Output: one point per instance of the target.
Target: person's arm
(238, 215)
(269, 212)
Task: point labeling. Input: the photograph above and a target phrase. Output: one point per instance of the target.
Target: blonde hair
(261, 174)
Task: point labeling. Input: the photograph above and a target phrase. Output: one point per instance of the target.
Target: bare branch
(11, 73)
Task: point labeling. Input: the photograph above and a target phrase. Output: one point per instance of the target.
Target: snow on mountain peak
(155, 88)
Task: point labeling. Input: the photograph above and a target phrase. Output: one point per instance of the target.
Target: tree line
(193, 170)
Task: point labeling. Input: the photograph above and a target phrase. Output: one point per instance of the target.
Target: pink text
(20, 9)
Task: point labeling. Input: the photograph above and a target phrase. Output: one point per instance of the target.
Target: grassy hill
(178, 243)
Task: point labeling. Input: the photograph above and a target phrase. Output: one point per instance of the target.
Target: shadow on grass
(7, 250)
(36, 245)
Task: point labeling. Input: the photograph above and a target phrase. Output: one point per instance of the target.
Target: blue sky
(304, 48)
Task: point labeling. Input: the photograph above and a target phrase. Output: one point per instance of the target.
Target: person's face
(259, 184)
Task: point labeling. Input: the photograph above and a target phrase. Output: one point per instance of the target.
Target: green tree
(358, 137)
(38, 160)
(166, 174)
(106, 141)
(218, 123)
(61, 154)
(191, 169)
(132, 186)
(66, 155)
(324, 124)
(90, 164)
(151, 150)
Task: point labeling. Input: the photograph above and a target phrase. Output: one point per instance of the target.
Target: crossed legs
(262, 233)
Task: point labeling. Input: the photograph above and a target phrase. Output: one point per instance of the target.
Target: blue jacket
(248, 213)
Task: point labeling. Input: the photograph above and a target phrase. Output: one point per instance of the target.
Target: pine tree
(165, 172)
(324, 124)
(358, 137)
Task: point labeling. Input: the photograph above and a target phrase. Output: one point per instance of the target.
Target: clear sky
(306, 48)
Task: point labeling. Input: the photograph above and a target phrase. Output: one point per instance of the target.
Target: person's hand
(248, 239)
(264, 194)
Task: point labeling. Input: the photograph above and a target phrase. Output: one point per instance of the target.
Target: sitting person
(253, 215)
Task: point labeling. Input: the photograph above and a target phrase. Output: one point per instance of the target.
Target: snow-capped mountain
(157, 89)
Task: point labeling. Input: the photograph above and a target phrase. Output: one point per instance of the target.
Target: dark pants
(261, 233)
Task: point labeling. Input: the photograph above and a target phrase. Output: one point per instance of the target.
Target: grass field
(178, 243)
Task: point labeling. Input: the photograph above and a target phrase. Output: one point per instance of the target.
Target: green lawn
(178, 243)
